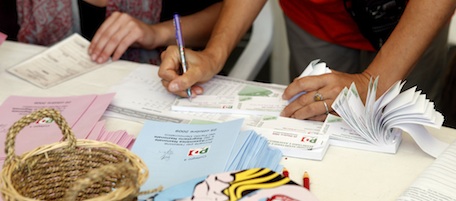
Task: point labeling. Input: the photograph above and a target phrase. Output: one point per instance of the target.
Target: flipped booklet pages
(381, 121)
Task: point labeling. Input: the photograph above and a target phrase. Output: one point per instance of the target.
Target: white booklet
(437, 182)
(67, 59)
(381, 121)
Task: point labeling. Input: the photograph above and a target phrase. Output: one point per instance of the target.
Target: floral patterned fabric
(47, 22)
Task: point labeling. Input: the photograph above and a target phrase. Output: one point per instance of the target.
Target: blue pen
(180, 44)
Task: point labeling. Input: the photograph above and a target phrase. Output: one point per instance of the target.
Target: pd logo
(198, 152)
(45, 120)
(309, 139)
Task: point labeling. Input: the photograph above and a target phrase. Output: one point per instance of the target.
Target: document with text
(141, 96)
(66, 59)
(437, 182)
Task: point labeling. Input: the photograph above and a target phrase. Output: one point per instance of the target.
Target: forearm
(196, 28)
(235, 19)
(419, 24)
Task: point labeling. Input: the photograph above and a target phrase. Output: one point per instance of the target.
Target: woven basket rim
(10, 193)
(8, 190)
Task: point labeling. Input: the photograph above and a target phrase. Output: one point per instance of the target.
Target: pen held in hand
(180, 44)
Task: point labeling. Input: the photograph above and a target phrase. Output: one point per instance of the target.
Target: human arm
(120, 31)
(234, 20)
(419, 24)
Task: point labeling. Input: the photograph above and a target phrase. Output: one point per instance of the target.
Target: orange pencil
(285, 172)
(306, 181)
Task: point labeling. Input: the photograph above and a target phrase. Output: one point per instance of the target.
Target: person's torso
(327, 20)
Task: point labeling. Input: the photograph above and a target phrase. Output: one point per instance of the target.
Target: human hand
(321, 90)
(118, 32)
(200, 70)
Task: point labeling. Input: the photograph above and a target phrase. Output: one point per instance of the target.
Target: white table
(344, 174)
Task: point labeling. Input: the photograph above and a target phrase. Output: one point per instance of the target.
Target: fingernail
(198, 91)
(100, 60)
(173, 87)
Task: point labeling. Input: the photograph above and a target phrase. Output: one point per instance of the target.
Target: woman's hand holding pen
(199, 71)
(321, 90)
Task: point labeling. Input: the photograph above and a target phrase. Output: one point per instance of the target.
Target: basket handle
(98, 174)
(33, 117)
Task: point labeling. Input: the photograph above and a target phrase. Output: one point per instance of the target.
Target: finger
(318, 118)
(179, 93)
(121, 40)
(100, 33)
(302, 101)
(169, 67)
(196, 90)
(109, 39)
(181, 82)
(309, 83)
(313, 110)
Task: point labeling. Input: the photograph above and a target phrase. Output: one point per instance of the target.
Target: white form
(65, 60)
(437, 182)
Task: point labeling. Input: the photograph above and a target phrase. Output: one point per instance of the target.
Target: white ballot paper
(65, 60)
(251, 103)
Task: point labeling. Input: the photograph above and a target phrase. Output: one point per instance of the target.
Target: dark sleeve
(183, 7)
(8, 19)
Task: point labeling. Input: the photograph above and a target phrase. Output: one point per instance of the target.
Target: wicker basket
(70, 168)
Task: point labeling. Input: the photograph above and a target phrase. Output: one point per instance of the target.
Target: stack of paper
(119, 137)
(295, 138)
(141, 97)
(175, 153)
(81, 112)
(380, 121)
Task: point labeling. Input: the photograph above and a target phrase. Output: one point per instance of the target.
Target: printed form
(61, 62)
(437, 182)
(141, 96)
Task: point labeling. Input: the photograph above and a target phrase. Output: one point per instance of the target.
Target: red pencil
(285, 172)
(306, 181)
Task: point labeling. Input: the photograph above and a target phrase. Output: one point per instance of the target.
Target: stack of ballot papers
(379, 123)
(82, 114)
(141, 96)
(175, 153)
